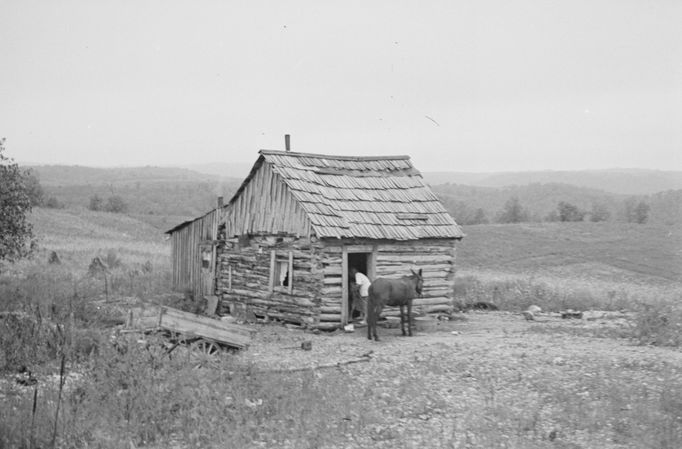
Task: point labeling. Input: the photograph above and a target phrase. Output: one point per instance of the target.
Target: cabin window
(206, 258)
(281, 272)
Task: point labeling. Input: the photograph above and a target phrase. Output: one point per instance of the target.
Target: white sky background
(512, 85)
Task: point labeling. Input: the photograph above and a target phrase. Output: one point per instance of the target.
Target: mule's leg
(370, 317)
(402, 319)
(376, 313)
(409, 316)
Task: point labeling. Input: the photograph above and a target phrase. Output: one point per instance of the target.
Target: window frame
(275, 272)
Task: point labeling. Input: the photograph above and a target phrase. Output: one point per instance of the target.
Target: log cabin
(283, 246)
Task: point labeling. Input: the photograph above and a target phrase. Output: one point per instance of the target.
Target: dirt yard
(493, 379)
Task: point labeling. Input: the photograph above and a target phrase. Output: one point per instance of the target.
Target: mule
(393, 292)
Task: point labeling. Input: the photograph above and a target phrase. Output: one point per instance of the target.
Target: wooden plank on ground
(190, 325)
(196, 325)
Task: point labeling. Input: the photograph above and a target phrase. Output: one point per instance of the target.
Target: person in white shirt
(361, 287)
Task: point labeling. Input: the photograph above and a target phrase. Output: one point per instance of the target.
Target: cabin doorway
(363, 260)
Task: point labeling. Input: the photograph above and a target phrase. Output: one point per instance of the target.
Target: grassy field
(578, 265)
(613, 252)
(78, 235)
(499, 382)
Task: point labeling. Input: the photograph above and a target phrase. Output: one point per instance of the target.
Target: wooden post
(162, 310)
(344, 286)
(372, 264)
(291, 272)
(273, 261)
(214, 266)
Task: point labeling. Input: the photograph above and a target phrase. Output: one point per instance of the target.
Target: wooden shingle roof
(362, 197)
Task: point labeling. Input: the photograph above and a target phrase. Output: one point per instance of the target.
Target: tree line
(633, 211)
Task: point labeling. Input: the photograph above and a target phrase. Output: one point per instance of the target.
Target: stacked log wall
(244, 277)
(331, 264)
(393, 259)
(316, 300)
(436, 259)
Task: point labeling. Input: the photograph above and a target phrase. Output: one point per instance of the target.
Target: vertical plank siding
(185, 256)
(266, 207)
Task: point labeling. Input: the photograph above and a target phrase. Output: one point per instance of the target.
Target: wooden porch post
(344, 286)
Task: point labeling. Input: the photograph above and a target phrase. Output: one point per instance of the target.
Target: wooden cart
(201, 331)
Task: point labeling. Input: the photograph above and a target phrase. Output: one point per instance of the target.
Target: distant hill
(165, 194)
(619, 181)
(163, 191)
(66, 175)
(223, 169)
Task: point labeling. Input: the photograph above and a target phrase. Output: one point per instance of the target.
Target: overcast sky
(458, 85)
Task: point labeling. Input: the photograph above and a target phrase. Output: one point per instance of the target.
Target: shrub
(513, 212)
(569, 212)
(658, 324)
(15, 205)
(26, 341)
(112, 260)
(636, 211)
(95, 203)
(116, 205)
(54, 203)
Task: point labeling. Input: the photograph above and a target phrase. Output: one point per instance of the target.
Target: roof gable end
(377, 197)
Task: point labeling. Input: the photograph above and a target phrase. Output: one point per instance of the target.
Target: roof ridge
(332, 156)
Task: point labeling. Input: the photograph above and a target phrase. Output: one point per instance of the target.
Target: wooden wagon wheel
(206, 347)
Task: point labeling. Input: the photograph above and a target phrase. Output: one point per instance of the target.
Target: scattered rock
(253, 404)
(570, 313)
(484, 305)
(26, 379)
(54, 258)
(559, 361)
(534, 309)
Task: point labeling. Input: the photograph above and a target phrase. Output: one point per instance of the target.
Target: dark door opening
(361, 262)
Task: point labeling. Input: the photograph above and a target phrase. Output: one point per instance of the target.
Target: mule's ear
(420, 272)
